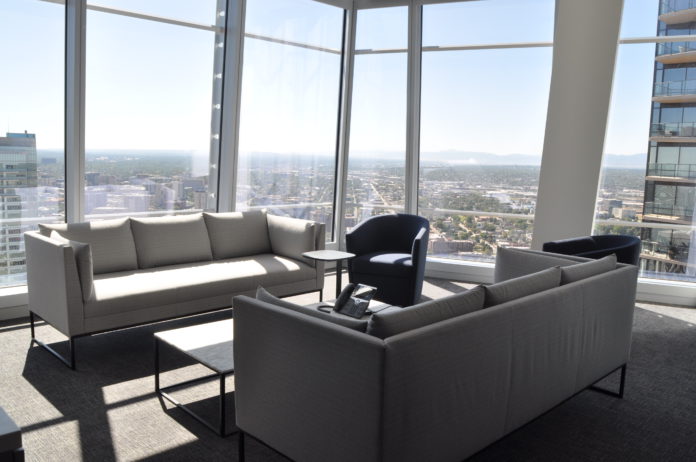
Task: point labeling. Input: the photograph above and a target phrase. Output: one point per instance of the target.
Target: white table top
(328, 255)
(209, 343)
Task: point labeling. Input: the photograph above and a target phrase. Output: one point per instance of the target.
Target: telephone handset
(354, 300)
(344, 296)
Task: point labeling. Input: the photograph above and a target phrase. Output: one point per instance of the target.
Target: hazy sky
(149, 84)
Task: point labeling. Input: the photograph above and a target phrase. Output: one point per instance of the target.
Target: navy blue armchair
(626, 248)
(390, 255)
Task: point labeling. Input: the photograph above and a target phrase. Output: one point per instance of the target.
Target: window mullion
(230, 108)
(75, 27)
(344, 127)
(415, 39)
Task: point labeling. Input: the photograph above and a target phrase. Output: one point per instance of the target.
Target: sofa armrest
(291, 237)
(309, 388)
(513, 262)
(54, 289)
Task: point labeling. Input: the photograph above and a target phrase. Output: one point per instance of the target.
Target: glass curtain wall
(483, 116)
(32, 94)
(153, 89)
(376, 163)
(648, 183)
(291, 86)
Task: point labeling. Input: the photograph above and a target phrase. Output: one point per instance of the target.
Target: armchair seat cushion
(134, 290)
(393, 264)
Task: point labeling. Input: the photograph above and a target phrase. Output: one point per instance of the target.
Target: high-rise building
(18, 201)
(670, 180)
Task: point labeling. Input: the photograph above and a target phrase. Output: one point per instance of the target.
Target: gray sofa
(91, 277)
(437, 381)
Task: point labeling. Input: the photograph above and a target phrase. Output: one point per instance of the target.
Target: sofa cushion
(512, 263)
(83, 260)
(170, 240)
(585, 270)
(146, 288)
(238, 234)
(392, 264)
(522, 286)
(394, 322)
(111, 242)
(313, 311)
(289, 236)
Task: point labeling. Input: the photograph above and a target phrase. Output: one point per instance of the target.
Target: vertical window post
(75, 27)
(415, 40)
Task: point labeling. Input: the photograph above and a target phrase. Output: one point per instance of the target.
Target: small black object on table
(331, 255)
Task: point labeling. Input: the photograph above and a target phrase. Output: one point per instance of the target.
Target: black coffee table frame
(162, 391)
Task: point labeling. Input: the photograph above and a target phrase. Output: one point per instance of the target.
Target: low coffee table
(210, 344)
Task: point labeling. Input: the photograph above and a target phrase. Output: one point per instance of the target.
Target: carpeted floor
(107, 409)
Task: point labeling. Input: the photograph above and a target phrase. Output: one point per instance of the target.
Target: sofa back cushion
(512, 263)
(522, 286)
(390, 323)
(342, 320)
(238, 234)
(111, 242)
(585, 270)
(164, 241)
(289, 237)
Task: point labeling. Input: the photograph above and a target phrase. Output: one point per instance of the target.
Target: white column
(231, 100)
(75, 27)
(584, 54)
(345, 104)
(415, 27)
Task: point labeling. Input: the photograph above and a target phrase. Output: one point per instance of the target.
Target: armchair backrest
(393, 232)
(626, 248)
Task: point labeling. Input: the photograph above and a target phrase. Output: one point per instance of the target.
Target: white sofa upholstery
(317, 391)
(90, 277)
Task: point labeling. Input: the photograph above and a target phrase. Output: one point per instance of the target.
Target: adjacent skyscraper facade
(18, 201)
(670, 182)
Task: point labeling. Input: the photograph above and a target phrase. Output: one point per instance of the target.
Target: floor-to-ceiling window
(376, 170)
(648, 184)
(486, 70)
(152, 95)
(289, 111)
(31, 126)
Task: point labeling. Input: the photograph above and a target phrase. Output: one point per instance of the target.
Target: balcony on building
(672, 173)
(681, 91)
(677, 11)
(676, 52)
(677, 132)
(674, 214)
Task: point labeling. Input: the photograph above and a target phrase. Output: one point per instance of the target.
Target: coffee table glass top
(209, 343)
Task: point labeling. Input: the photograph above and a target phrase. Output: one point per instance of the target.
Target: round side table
(331, 255)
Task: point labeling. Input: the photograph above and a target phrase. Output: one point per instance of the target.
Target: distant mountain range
(636, 161)
(633, 161)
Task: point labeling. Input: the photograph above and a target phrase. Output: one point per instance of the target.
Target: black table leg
(339, 270)
(222, 405)
(157, 366)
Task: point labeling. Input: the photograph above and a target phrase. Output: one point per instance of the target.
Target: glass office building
(19, 200)
(670, 178)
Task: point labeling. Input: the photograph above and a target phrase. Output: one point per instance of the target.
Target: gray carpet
(107, 409)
